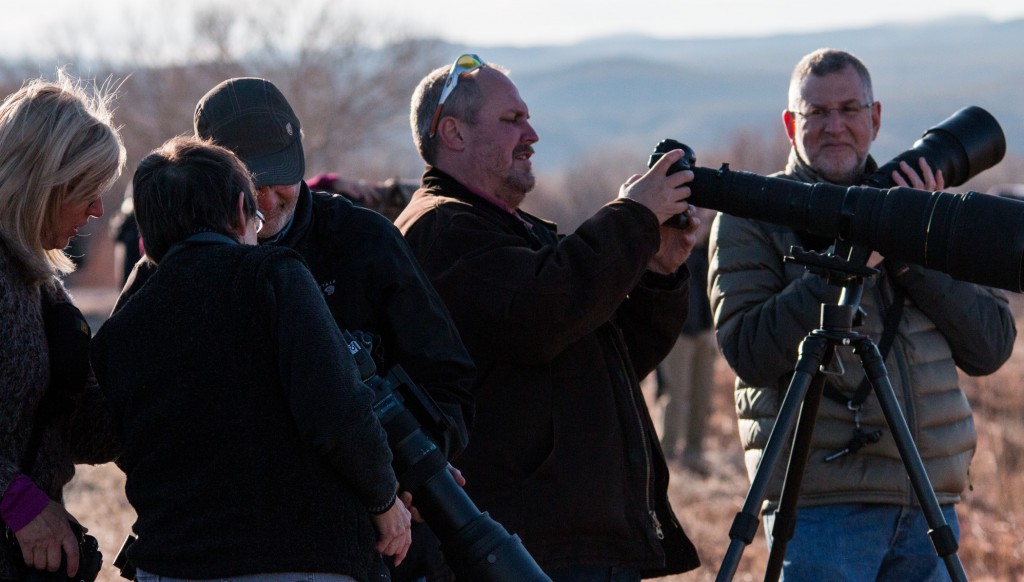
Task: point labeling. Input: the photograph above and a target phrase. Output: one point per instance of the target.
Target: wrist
(383, 508)
(22, 502)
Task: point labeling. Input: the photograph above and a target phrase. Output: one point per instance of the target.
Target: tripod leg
(785, 515)
(940, 532)
(744, 526)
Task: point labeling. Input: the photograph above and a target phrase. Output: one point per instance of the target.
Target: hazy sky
(24, 25)
(527, 22)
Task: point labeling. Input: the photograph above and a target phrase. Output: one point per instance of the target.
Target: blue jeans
(856, 542)
(594, 574)
(278, 577)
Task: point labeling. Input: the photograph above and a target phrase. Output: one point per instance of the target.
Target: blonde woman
(58, 153)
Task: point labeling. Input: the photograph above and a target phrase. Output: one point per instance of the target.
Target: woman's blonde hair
(57, 146)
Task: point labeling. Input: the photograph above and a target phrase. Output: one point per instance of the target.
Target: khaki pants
(687, 377)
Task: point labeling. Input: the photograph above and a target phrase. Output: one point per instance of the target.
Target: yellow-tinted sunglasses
(464, 64)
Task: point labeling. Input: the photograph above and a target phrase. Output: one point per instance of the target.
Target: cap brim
(286, 166)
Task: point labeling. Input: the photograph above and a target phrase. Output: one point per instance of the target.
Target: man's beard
(839, 173)
(517, 184)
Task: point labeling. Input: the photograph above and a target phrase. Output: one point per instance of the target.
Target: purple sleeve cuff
(22, 502)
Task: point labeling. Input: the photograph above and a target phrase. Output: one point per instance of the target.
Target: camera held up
(973, 236)
(687, 162)
(475, 546)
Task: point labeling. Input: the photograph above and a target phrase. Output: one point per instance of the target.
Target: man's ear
(449, 131)
(876, 118)
(789, 121)
(240, 222)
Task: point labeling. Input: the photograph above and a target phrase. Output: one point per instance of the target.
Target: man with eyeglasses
(561, 327)
(858, 517)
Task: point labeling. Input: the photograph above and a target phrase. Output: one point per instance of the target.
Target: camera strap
(855, 401)
(890, 324)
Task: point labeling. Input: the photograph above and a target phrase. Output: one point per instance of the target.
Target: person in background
(686, 376)
(561, 327)
(59, 152)
(127, 243)
(388, 197)
(250, 444)
(858, 517)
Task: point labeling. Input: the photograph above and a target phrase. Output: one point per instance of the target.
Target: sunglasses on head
(463, 65)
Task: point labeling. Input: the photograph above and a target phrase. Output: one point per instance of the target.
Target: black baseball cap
(251, 117)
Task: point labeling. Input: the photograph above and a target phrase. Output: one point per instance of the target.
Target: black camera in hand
(90, 559)
(475, 546)
(687, 162)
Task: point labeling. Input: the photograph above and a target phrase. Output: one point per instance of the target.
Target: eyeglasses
(260, 221)
(847, 112)
(463, 65)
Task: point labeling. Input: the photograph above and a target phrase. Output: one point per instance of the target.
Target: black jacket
(563, 452)
(247, 448)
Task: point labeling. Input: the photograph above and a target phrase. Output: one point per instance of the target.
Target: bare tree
(349, 85)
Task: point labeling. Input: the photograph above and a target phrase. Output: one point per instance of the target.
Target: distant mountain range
(631, 91)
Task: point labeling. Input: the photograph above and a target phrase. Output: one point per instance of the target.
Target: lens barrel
(962, 146)
(475, 546)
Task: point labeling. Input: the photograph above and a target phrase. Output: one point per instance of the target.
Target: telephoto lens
(973, 237)
(475, 546)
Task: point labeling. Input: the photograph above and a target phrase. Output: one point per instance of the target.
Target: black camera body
(476, 547)
(687, 162)
(90, 560)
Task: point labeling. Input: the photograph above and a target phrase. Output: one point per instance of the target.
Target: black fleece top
(250, 445)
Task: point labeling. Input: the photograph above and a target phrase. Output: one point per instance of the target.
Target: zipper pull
(657, 525)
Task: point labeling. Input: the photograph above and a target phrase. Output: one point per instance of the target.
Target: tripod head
(846, 268)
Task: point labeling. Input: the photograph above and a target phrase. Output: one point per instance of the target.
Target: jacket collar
(439, 183)
(200, 239)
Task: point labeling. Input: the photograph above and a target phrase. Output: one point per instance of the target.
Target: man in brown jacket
(561, 328)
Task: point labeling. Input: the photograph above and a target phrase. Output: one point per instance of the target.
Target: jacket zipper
(626, 372)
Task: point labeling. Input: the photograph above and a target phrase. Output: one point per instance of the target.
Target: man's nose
(834, 120)
(531, 136)
(265, 197)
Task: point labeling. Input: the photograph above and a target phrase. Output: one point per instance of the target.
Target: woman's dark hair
(187, 186)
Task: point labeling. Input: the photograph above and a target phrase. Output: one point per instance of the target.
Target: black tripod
(804, 395)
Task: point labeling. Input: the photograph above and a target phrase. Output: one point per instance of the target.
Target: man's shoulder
(433, 208)
(338, 218)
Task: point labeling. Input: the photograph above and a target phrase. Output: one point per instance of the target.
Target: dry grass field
(992, 516)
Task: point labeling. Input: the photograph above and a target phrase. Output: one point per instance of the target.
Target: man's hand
(926, 180)
(45, 536)
(406, 497)
(394, 533)
(662, 194)
(676, 245)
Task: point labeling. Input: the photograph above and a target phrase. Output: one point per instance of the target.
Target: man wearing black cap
(368, 277)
